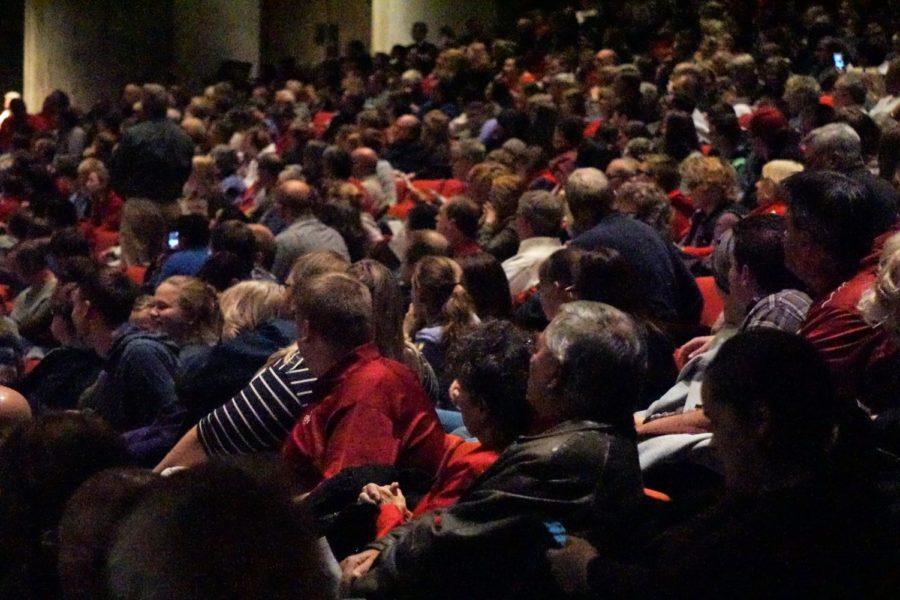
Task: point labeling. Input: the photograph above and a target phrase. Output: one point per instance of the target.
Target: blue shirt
(183, 262)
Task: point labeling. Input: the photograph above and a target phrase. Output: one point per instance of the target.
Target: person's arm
(188, 452)
(692, 421)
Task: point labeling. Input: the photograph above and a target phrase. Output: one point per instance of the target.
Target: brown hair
(200, 303)
(387, 305)
(437, 282)
(338, 307)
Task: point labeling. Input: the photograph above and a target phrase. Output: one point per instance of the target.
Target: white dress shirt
(522, 269)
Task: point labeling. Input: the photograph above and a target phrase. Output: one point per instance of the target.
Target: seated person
(490, 366)
(539, 224)
(577, 465)
(458, 222)
(187, 535)
(191, 251)
(135, 391)
(712, 185)
(366, 408)
(31, 308)
(800, 516)
(185, 309)
(68, 370)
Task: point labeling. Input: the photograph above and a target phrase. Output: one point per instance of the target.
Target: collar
(349, 363)
(539, 242)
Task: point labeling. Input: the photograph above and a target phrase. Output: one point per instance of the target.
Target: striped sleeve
(261, 415)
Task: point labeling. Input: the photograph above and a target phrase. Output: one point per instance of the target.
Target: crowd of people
(604, 302)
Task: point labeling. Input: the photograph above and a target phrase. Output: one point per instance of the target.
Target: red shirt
(836, 328)
(465, 248)
(681, 216)
(778, 208)
(463, 463)
(371, 410)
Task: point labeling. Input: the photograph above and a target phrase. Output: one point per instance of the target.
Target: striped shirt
(261, 415)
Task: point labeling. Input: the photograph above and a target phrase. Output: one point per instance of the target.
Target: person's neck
(101, 340)
(322, 359)
(823, 282)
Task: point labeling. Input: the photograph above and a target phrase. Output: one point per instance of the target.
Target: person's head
(250, 304)
(504, 195)
(835, 147)
(269, 167)
(464, 155)
(336, 164)
(187, 310)
(419, 244)
(42, 462)
(880, 305)
(769, 188)
(485, 281)
(334, 316)
(419, 31)
(387, 305)
(589, 363)
(193, 232)
(801, 91)
(365, 162)
(29, 260)
(664, 171)
(772, 407)
(89, 524)
(154, 101)
(589, 197)
(295, 199)
(439, 298)
(620, 171)
(568, 133)
(308, 266)
(14, 410)
(93, 177)
(679, 135)
(489, 366)
(647, 202)
(189, 532)
(407, 128)
(709, 181)
(757, 266)
(236, 238)
(149, 231)
(102, 302)
(539, 214)
(849, 90)
(831, 224)
(458, 220)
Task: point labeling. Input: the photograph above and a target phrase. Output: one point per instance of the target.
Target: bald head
(365, 161)
(606, 57)
(14, 408)
(408, 128)
(295, 198)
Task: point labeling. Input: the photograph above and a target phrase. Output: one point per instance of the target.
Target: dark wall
(12, 26)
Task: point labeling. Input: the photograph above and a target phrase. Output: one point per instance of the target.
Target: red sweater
(368, 410)
(463, 463)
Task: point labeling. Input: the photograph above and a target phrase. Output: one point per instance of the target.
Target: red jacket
(368, 410)
(463, 463)
(836, 328)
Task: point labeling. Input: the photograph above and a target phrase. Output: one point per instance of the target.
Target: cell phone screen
(838, 61)
(173, 240)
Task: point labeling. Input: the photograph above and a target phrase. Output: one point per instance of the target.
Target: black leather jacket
(579, 473)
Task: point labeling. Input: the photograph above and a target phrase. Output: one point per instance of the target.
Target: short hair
(421, 216)
(571, 129)
(110, 292)
(184, 539)
(836, 212)
(603, 362)
(465, 214)
(588, 192)
(491, 364)
(783, 375)
(663, 170)
(312, 264)
(270, 163)
(838, 141)
(426, 242)
(249, 304)
(648, 203)
(854, 85)
(234, 237)
(30, 257)
(864, 126)
(759, 245)
(469, 150)
(601, 275)
(338, 307)
(542, 211)
(154, 100)
(193, 231)
(296, 196)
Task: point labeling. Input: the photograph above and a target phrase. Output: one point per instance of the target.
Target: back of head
(338, 308)
(759, 245)
(603, 362)
(193, 231)
(110, 292)
(234, 237)
(542, 211)
(834, 146)
(780, 377)
(250, 304)
(838, 214)
(465, 214)
(154, 101)
(185, 539)
(588, 193)
(486, 282)
(296, 197)
(387, 305)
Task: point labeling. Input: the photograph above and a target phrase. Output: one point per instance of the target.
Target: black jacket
(60, 378)
(579, 473)
(153, 161)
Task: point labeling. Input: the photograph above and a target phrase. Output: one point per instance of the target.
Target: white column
(392, 20)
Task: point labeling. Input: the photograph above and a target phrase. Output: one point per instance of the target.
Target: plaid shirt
(784, 310)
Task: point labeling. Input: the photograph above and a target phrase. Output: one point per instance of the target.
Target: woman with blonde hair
(102, 207)
(249, 304)
(712, 185)
(441, 310)
(187, 310)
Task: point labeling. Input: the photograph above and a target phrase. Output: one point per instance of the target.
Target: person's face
(765, 192)
(731, 438)
(799, 251)
(444, 225)
(419, 33)
(543, 373)
(92, 183)
(166, 313)
(474, 417)
(80, 310)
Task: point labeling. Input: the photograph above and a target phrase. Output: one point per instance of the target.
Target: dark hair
(193, 231)
(759, 244)
(422, 216)
(837, 213)
(41, 464)
(88, 527)
(191, 530)
(110, 292)
(869, 133)
(484, 279)
(465, 214)
(69, 242)
(30, 257)
(724, 120)
(223, 269)
(571, 129)
(680, 138)
(270, 163)
(234, 237)
(336, 163)
(889, 152)
(664, 171)
(491, 364)
(783, 375)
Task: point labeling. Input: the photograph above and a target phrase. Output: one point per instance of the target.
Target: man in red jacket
(367, 409)
(833, 228)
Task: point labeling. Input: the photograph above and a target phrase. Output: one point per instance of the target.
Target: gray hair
(587, 190)
(542, 211)
(602, 359)
(836, 145)
(469, 150)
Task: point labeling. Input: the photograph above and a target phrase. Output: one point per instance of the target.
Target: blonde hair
(712, 173)
(93, 165)
(880, 305)
(249, 304)
(200, 305)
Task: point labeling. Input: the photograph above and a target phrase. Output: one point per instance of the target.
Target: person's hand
(695, 347)
(355, 566)
(489, 216)
(376, 494)
(569, 564)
